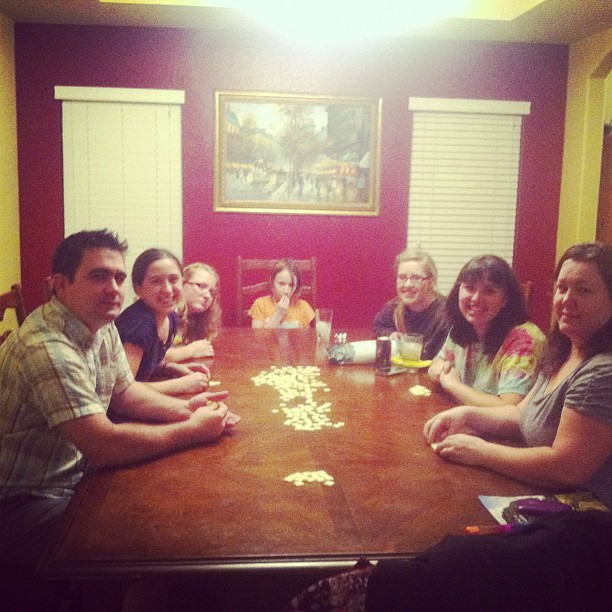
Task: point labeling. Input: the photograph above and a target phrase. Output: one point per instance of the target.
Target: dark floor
(252, 592)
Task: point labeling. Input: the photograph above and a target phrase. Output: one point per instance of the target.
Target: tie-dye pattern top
(513, 369)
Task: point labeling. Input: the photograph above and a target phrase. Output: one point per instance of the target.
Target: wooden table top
(228, 506)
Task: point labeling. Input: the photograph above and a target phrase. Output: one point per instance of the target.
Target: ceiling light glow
(321, 21)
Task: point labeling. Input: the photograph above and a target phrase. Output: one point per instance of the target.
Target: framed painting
(297, 154)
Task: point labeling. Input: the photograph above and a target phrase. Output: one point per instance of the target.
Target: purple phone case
(539, 507)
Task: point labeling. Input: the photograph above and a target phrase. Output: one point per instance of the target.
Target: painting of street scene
(296, 154)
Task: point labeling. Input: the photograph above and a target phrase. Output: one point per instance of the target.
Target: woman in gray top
(564, 424)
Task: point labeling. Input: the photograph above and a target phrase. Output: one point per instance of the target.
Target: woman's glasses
(203, 287)
(415, 279)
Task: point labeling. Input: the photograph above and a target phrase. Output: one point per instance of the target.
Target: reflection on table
(228, 506)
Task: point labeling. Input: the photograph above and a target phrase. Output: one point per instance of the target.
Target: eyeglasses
(416, 279)
(203, 287)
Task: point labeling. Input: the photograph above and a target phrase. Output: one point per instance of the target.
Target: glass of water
(323, 322)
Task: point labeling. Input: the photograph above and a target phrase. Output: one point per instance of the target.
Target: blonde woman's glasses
(415, 279)
(203, 287)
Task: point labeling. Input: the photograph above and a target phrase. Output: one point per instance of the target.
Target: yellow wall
(9, 201)
(590, 64)
(608, 102)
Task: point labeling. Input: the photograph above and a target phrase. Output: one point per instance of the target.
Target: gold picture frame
(297, 154)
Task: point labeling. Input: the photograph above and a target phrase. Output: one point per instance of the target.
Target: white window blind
(123, 165)
(463, 180)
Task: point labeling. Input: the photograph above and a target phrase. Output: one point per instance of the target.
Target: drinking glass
(410, 348)
(323, 322)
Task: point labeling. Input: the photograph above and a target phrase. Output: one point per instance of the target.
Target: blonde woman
(200, 314)
(418, 307)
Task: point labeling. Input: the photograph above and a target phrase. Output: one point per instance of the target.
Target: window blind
(123, 166)
(463, 180)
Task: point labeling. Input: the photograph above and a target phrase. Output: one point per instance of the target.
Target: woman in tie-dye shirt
(492, 350)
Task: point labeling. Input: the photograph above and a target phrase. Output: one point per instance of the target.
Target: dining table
(328, 464)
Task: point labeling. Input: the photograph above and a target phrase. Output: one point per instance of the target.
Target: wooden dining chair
(12, 299)
(48, 288)
(527, 288)
(253, 280)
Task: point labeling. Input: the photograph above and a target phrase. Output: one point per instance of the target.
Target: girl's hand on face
(282, 306)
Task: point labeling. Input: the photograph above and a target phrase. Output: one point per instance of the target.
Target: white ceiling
(551, 21)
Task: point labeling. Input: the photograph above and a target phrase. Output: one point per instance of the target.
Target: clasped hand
(452, 438)
(446, 374)
(207, 404)
(201, 348)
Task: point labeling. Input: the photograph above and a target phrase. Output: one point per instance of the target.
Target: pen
(492, 529)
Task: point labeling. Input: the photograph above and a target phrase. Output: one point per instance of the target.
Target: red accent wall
(355, 254)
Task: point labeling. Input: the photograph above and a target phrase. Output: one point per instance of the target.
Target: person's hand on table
(201, 348)
(447, 423)
(211, 399)
(194, 382)
(232, 419)
(209, 421)
(462, 448)
(204, 398)
(395, 335)
(176, 370)
(449, 377)
(197, 367)
(438, 365)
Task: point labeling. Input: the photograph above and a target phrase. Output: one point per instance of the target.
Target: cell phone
(540, 507)
(392, 371)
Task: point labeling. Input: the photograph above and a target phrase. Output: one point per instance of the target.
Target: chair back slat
(13, 299)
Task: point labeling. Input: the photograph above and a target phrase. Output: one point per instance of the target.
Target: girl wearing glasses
(148, 327)
(491, 353)
(418, 307)
(283, 307)
(199, 312)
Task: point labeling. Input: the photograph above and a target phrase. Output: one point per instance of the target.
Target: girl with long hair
(199, 314)
(418, 307)
(491, 353)
(148, 327)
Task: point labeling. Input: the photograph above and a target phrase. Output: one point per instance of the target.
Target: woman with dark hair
(418, 307)
(565, 422)
(147, 327)
(283, 307)
(491, 353)
(199, 314)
